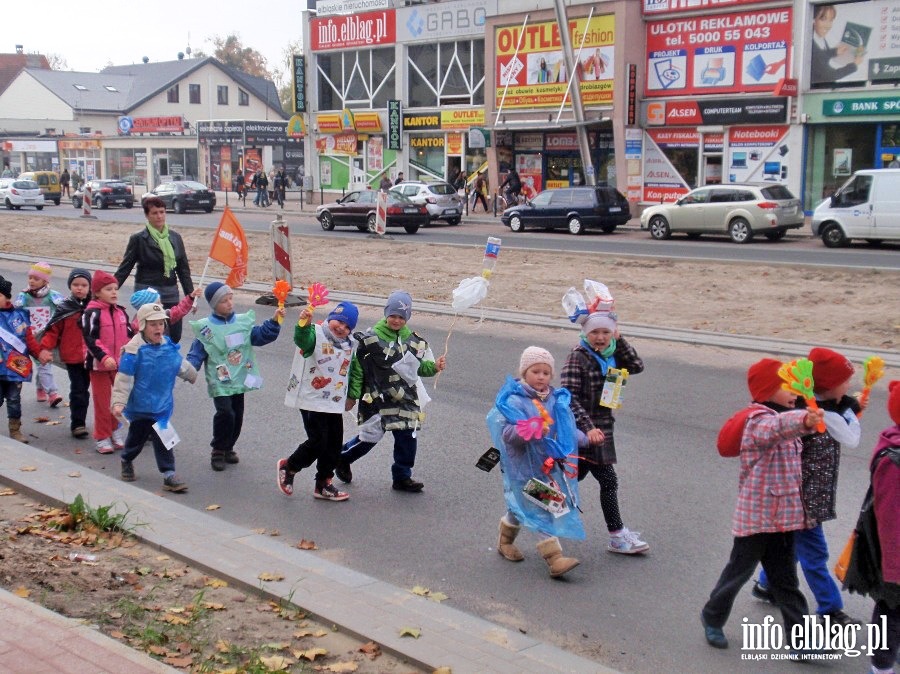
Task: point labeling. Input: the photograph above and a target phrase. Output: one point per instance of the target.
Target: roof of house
(12, 64)
(88, 91)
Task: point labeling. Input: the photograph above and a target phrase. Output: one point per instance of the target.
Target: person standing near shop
(64, 183)
(161, 260)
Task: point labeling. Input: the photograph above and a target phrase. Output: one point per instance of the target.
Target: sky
(121, 33)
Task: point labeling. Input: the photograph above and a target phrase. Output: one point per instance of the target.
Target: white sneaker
(119, 435)
(105, 446)
(627, 542)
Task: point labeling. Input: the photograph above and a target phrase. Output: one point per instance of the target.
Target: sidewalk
(37, 641)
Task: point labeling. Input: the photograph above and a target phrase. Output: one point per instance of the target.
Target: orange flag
(230, 247)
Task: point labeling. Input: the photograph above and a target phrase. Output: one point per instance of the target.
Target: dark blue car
(572, 208)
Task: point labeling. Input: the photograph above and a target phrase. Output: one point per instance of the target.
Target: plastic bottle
(491, 252)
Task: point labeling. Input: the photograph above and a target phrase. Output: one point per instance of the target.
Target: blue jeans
(11, 392)
(811, 551)
(404, 453)
(138, 433)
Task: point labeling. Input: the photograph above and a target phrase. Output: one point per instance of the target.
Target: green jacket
(427, 368)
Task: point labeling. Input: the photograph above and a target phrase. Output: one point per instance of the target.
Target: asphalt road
(637, 614)
(797, 248)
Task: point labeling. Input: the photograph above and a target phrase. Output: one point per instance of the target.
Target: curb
(361, 605)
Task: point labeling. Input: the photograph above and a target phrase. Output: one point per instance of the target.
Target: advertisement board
(855, 42)
(429, 22)
(676, 6)
(745, 110)
(369, 29)
(757, 153)
(537, 74)
(720, 53)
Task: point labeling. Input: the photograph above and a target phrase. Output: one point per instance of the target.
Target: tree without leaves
(230, 51)
(57, 62)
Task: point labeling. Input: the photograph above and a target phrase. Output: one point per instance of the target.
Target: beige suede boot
(506, 545)
(15, 431)
(552, 553)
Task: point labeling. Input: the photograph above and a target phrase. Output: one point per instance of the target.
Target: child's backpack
(863, 570)
(729, 441)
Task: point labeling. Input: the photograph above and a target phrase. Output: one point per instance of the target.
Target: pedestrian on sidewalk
(384, 377)
(819, 462)
(479, 191)
(64, 184)
(64, 332)
(532, 425)
(224, 347)
(40, 301)
(320, 375)
(600, 348)
(106, 331)
(142, 393)
(17, 343)
(769, 506)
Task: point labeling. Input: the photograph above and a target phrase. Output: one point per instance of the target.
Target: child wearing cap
(819, 462)
(106, 331)
(64, 332)
(145, 296)
(39, 299)
(17, 342)
(223, 345)
(384, 377)
(318, 386)
(142, 392)
(601, 347)
(532, 425)
(769, 505)
(886, 492)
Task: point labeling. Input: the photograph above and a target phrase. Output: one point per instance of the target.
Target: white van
(867, 206)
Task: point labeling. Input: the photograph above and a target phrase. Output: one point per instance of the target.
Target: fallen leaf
(371, 649)
(307, 545)
(276, 663)
(276, 646)
(421, 591)
(413, 632)
(310, 653)
(8, 492)
(162, 558)
(437, 596)
(269, 576)
(223, 646)
(443, 670)
(213, 606)
(28, 469)
(41, 420)
(74, 473)
(215, 582)
(213, 507)
(157, 650)
(22, 592)
(54, 423)
(341, 667)
(181, 663)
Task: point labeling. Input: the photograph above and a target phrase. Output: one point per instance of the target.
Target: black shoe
(343, 472)
(408, 484)
(217, 461)
(715, 637)
(762, 593)
(127, 471)
(232, 457)
(840, 618)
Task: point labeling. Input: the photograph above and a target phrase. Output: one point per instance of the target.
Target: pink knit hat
(534, 355)
(41, 270)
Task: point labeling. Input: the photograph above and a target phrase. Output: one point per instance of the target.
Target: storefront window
(356, 79)
(174, 164)
(449, 73)
(426, 161)
(128, 164)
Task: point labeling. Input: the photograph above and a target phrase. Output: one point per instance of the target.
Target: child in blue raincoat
(534, 429)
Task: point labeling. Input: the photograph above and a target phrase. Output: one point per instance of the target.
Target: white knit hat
(534, 355)
(600, 319)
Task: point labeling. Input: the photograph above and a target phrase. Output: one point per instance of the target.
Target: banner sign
(339, 143)
(772, 110)
(720, 53)
(662, 182)
(395, 121)
(220, 132)
(756, 153)
(537, 75)
(369, 29)
(679, 6)
(432, 22)
(462, 119)
(174, 124)
(855, 41)
(299, 65)
(847, 107)
(267, 133)
(326, 7)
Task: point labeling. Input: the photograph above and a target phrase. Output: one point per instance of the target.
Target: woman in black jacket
(160, 258)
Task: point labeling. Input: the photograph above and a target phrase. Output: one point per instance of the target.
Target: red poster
(718, 54)
(368, 29)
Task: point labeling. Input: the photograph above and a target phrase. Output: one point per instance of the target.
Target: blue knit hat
(399, 303)
(346, 313)
(215, 292)
(146, 296)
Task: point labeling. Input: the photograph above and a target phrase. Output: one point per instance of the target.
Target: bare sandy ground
(821, 306)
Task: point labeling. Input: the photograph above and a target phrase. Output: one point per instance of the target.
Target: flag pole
(202, 278)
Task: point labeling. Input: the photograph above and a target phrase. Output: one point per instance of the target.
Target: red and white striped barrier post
(86, 199)
(281, 250)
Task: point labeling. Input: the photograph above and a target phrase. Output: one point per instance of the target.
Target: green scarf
(162, 240)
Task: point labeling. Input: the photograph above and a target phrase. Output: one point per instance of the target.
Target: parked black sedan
(184, 195)
(572, 208)
(358, 209)
(105, 193)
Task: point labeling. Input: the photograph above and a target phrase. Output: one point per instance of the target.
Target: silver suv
(440, 198)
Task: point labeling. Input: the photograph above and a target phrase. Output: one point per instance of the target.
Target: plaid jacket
(769, 498)
(582, 376)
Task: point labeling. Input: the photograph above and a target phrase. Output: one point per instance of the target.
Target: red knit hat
(830, 369)
(894, 400)
(763, 380)
(101, 280)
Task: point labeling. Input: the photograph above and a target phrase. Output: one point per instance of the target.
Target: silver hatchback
(440, 198)
(738, 210)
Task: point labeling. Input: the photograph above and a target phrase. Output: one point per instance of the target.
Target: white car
(15, 193)
(440, 198)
